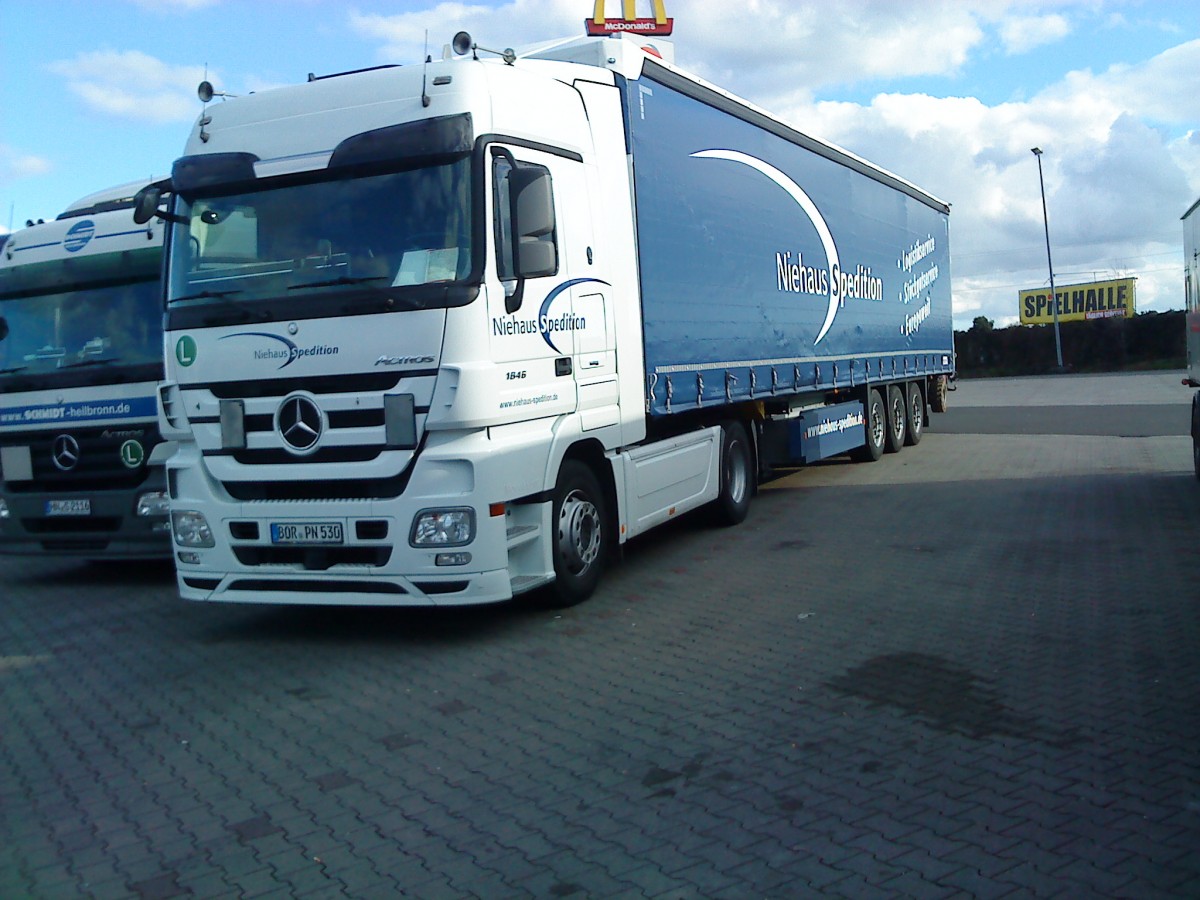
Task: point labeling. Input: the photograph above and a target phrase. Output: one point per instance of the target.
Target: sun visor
(209, 170)
(438, 137)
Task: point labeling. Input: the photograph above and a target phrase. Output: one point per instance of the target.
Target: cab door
(552, 323)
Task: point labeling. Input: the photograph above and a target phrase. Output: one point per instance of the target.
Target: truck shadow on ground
(68, 572)
(365, 625)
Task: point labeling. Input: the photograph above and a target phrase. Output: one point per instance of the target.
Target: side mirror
(533, 222)
(3, 328)
(146, 203)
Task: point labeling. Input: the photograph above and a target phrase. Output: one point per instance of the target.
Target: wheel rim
(916, 413)
(877, 427)
(898, 417)
(735, 472)
(578, 532)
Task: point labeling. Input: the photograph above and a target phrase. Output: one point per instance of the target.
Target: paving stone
(759, 710)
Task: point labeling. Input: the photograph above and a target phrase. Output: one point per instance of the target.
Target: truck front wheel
(580, 534)
(737, 475)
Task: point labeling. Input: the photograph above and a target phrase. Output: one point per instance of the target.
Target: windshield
(88, 320)
(286, 246)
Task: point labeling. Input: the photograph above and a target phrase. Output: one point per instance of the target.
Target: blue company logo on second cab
(547, 323)
(79, 235)
(288, 353)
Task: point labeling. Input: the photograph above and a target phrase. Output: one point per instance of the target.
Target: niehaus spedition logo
(831, 280)
(550, 323)
(283, 351)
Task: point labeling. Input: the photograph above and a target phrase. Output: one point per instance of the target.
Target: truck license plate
(306, 533)
(81, 507)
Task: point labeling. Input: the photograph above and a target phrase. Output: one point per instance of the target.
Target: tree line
(1150, 340)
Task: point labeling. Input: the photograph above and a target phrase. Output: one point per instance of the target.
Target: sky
(950, 95)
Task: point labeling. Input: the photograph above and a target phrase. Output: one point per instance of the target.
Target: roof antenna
(424, 69)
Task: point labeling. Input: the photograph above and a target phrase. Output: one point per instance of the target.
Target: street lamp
(1036, 151)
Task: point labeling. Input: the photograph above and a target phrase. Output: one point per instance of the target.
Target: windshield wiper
(341, 279)
(13, 369)
(204, 294)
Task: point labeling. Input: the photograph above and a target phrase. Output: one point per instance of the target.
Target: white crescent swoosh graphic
(805, 203)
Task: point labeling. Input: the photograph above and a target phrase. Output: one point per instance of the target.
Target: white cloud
(133, 85)
(15, 165)
(1020, 34)
(403, 35)
(807, 46)
(785, 46)
(1117, 175)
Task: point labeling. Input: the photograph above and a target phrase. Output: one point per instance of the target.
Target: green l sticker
(132, 454)
(185, 350)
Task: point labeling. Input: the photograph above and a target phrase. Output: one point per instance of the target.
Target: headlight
(153, 503)
(3, 509)
(191, 529)
(443, 527)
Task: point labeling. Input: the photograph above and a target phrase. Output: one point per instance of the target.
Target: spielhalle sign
(1079, 302)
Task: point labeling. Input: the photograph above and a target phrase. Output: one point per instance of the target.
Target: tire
(897, 419)
(875, 428)
(581, 535)
(940, 400)
(737, 475)
(1196, 457)
(916, 414)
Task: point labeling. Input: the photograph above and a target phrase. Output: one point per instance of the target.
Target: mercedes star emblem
(65, 452)
(299, 422)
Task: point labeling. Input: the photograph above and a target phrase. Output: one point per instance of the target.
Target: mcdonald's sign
(599, 25)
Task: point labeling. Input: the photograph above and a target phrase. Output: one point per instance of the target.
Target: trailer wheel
(916, 414)
(940, 400)
(737, 475)
(897, 416)
(875, 428)
(580, 535)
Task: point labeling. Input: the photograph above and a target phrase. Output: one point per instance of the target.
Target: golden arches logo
(599, 24)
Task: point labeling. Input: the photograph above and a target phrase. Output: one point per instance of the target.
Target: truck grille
(364, 433)
(99, 466)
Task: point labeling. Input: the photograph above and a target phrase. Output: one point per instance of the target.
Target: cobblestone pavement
(968, 670)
